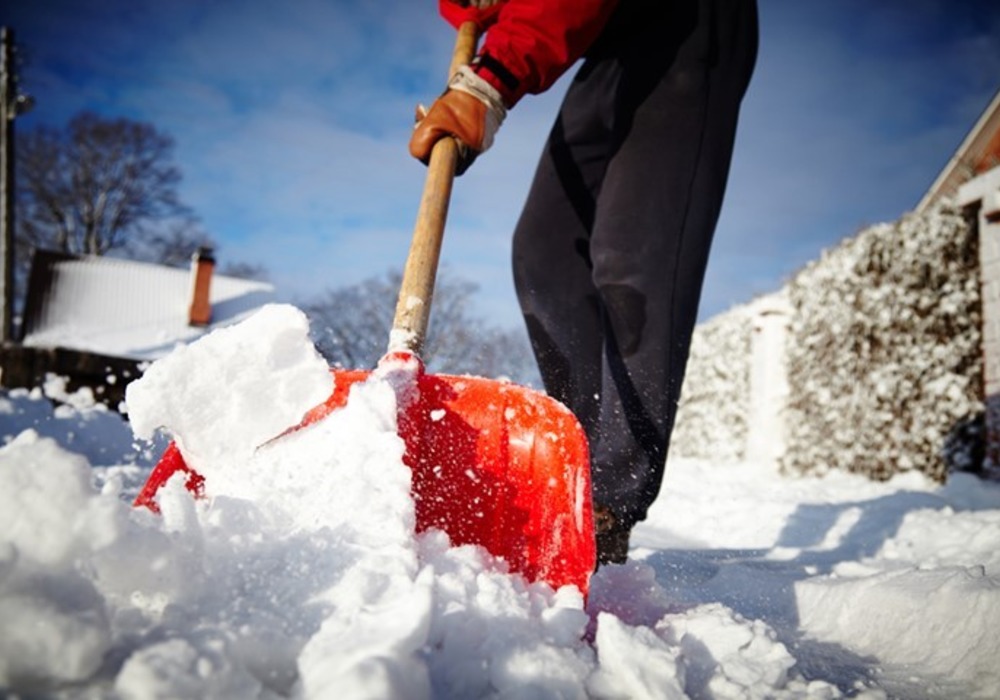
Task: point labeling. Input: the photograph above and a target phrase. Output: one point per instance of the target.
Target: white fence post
(766, 434)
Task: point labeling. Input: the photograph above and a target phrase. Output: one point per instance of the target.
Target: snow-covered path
(887, 585)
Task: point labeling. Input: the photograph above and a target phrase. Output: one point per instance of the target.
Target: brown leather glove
(471, 110)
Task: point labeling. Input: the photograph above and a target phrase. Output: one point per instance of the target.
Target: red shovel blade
(494, 464)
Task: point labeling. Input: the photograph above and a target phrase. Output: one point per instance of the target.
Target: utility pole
(8, 88)
(12, 103)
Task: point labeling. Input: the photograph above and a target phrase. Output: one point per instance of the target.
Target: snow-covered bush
(885, 350)
(712, 415)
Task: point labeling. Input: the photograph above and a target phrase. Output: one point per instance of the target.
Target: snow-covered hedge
(885, 350)
(712, 415)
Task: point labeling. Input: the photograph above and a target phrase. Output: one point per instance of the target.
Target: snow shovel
(494, 464)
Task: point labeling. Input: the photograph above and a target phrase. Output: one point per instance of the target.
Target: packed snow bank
(302, 577)
(859, 607)
(898, 581)
(927, 582)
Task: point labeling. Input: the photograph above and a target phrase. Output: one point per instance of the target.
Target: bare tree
(245, 270)
(351, 324)
(106, 185)
(95, 186)
(351, 329)
(172, 243)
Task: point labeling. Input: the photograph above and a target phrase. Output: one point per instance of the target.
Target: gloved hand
(471, 110)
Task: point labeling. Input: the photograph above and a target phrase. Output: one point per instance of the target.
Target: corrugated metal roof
(125, 308)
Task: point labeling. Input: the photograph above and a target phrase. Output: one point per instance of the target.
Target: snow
(301, 575)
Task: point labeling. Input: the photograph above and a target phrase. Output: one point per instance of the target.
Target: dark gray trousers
(610, 251)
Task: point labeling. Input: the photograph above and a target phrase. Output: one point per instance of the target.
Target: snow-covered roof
(125, 308)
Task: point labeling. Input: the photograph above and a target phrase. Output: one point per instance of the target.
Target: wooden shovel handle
(413, 306)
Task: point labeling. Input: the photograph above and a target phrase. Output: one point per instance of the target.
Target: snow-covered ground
(302, 577)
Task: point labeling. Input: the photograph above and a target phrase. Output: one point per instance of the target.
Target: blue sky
(291, 122)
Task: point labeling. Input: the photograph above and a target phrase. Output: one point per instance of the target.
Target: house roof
(125, 308)
(979, 152)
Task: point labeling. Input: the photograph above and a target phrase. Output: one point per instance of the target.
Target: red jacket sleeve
(535, 41)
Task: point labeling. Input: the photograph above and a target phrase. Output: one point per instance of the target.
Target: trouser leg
(551, 250)
(609, 275)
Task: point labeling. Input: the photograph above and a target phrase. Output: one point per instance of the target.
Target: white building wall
(983, 192)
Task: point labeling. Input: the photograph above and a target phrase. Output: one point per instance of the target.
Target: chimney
(202, 264)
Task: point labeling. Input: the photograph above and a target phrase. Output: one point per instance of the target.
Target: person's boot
(612, 537)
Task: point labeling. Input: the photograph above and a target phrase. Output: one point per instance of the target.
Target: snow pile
(302, 577)
(885, 352)
(926, 581)
(220, 383)
(870, 601)
(899, 580)
(77, 422)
